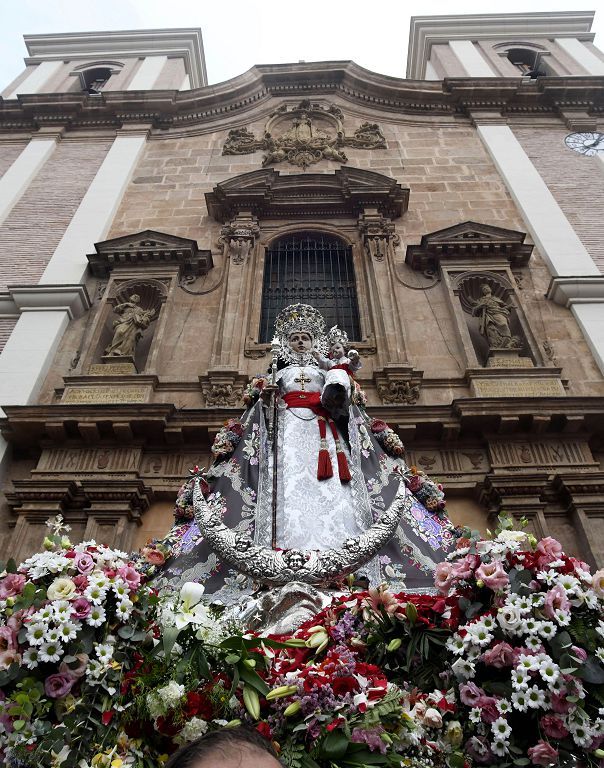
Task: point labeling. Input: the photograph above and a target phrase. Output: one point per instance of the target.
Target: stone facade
(429, 219)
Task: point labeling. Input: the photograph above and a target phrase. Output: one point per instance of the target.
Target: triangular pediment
(146, 248)
(267, 194)
(472, 240)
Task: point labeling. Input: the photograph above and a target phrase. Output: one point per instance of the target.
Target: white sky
(240, 33)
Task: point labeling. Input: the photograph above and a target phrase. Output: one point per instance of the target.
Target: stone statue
(129, 327)
(494, 317)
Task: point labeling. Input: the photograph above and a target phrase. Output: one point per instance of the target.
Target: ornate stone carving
(378, 234)
(222, 388)
(303, 142)
(237, 238)
(494, 315)
(128, 327)
(398, 392)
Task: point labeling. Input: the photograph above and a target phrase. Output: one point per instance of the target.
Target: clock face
(585, 143)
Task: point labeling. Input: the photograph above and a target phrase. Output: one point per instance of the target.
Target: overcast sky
(240, 33)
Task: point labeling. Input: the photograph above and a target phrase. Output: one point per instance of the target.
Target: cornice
(221, 104)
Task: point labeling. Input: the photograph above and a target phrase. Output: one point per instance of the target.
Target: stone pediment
(152, 248)
(268, 195)
(469, 240)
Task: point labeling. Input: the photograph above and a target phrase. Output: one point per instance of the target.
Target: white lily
(190, 594)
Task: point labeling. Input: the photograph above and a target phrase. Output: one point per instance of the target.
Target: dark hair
(220, 742)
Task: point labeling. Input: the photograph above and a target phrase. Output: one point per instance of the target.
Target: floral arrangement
(425, 490)
(357, 395)
(529, 656)
(227, 439)
(253, 390)
(71, 619)
(387, 438)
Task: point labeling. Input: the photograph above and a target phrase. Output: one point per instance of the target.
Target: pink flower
(578, 653)
(493, 575)
(131, 576)
(549, 550)
(553, 727)
(470, 694)
(597, 582)
(12, 585)
(75, 672)
(9, 657)
(415, 482)
(443, 577)
(432, 718)
(464, 568)
(488, 709)
(81, 581)
(58, 685)
(560, 704)
(80, 608)
(84, 563)
(8, 639)
(555, 600)
(543, 754)
(500, 655)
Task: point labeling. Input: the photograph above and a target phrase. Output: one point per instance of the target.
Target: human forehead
(240, 759)
(299, 334)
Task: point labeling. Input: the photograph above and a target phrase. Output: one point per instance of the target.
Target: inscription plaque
(79, 395)
(551, 453)
(518, 387)
(112, 369)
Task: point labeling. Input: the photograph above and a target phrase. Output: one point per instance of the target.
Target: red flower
(107, 716)
(235, 426)
(336, 723)
(264, 729)
(70, 553)
(344, 685)
(377, 425)
(197, 706)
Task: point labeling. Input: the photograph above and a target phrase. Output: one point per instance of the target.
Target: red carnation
(264, 730)
(344, 685)
(377, 425)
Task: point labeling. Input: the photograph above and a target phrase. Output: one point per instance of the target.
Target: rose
(154, 556)
(510, 619)
(344, 685)
(415, 482)
(470, 694)
(84, 563)
(543, 754)
(597, 582)
(81, 582)
(488, 709)
(443, 577)
(555, 600)
(8, 657)
(548, 550)
(235, 426)
(377, 425)
(12, 585)
(553, 727)
(58, 685)
(131, 576)
(493, 575)
(80, 608)
(77, 671)
(560, 703)
(500, 655)
(454, 733)
(464, 568)
(578, 653)
(61, 589)
(433, 718)
(8, 639)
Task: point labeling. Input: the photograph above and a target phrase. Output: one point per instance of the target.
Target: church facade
(151, 227)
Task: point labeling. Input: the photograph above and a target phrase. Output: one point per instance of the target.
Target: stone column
(35, 82)
(470, 59)
(147, 74)
(581, 54)
(20, 174)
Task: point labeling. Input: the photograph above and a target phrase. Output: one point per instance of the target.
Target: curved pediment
(269, 195)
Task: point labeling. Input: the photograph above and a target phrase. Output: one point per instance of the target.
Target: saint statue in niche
(494, 317)
(330, 474)
(128, 327)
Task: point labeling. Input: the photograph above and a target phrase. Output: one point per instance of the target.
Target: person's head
(135, 298)
(336, 350)
(228, 748)
(300, 341)
(486, 289)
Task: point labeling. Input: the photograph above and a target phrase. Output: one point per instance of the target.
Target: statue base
(507, 358)
(114, 365)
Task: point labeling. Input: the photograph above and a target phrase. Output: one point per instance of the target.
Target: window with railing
(312, 268)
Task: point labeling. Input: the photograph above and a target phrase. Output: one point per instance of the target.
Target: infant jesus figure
(338, 360)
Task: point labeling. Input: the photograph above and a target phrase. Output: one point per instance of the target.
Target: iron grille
(314, 269)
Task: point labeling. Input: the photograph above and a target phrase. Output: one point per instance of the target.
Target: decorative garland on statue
(308, 566)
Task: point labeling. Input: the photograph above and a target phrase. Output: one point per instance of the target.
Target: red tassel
(324, 469)
(343, 470)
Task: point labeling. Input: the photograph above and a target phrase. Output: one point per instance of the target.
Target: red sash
(312, 401)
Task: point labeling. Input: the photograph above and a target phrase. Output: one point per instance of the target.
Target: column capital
(72, 299)
(567, 291)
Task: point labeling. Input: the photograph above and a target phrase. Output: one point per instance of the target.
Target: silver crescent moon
(308, 566)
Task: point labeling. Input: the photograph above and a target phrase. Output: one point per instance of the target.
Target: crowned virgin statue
(305, 488)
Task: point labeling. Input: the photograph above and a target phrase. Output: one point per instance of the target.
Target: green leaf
(411, 613)
(170, 635)
(456, 760)
(18, 725)
(560, 643)
(334, 745)
(232, 658)
(522, 761)
(11, 566)
(253, 678)
(591, 671)
(126, 632)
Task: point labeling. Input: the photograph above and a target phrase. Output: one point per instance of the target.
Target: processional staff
(273, 433)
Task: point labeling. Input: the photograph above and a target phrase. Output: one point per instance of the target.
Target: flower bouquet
(72, 619)
(528, 658)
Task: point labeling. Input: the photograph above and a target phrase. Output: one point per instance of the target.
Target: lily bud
(318, 639)
(293, 709)
(233, 723)
(296, 642)
(251, 701)
(281, 692)
(394, 644)
(250, 663)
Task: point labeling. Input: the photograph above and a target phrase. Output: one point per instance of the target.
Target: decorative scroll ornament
(304, 143)
(378, 234)
(237, 238)
(398, 392)
(308, 566)
(300, 318)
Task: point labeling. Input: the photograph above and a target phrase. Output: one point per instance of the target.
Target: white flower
(568, 582)
(95, 669)
(171, 694)
(68, 631)
(600, 654)
(36, 633)
(96, 616)
(562, 617)
(547, 630)
(533, 642)
(501, 728)
(104, 651)
(44, 614)
(463, 669)
(520, 679)
(191, 593)
(191, 731)
(535, 697)
(510, 619)
(504, 706)
(591, 600)
(479, 635)
(519, 701)
(549, 671)
(582, 735)
(52, 635)
(124, 609)
(98, 579)
(51, 651)
(61, 609)
(94, 594)
(120, 588)
(61, 588)
(488, 622)
(499, 746)
(43, 563)
(475, 715)
(30, 658)
(531, 625)
(528, 663)
(456, 645)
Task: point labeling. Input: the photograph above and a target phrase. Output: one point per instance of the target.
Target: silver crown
(336, 335)
(300, 318)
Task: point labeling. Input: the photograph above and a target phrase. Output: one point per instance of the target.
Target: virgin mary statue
(304, 470)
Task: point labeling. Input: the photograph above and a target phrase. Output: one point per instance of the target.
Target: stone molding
(223, 388)
(150, 249)
(567, 291)
(72, 299)
(346, 192)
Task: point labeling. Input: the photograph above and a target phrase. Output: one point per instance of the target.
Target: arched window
(94, 79)
(313, 268)
(527, 61)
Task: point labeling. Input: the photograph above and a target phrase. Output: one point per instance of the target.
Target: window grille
(311, 268)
